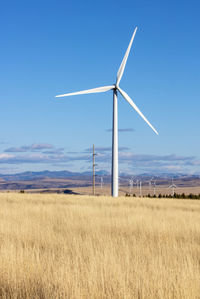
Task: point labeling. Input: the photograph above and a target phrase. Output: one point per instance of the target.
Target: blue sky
(53, 47)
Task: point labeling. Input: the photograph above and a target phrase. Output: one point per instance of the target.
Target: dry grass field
(58, 246)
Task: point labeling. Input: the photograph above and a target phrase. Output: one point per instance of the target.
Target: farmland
(67, 246)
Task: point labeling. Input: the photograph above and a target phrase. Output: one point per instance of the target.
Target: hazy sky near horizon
(54, 47)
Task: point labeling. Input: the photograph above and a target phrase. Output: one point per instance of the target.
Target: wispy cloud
(129, 156)
(32, 158)
(158, 163)
(28, 148)
(48, 154)
(54, 151)
(5, 156)
(41, 158)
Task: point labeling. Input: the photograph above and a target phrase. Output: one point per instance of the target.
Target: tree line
(176, 195)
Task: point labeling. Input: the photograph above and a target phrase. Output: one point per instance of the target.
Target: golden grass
(58, 246)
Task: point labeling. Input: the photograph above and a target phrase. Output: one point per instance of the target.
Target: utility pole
(93, 177)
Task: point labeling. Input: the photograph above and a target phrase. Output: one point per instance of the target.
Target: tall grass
(58, 246)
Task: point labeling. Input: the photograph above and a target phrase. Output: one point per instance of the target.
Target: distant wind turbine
(140, 188)
(172, 186)
(137, 183)
(115, 87)
(101, 182)
(154, 188)
(131, 181)
(150, 184)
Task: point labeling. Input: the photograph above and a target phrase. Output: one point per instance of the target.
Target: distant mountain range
(65, 174)
(46, 174)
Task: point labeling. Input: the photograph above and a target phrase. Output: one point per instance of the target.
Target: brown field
(58, 246)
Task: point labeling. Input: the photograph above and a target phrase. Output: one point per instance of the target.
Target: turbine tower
(115, 88)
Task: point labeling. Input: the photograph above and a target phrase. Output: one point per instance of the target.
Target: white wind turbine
(115, 87)
(172, 186)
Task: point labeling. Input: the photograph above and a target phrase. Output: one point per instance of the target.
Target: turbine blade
(93, 90)
(123, 64)
(124, 94)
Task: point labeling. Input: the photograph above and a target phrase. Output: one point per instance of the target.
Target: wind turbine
(150, 184)
(137, 183)
(115, 88)
(154, 188)
(140, 188)
(131, 181)
(101, 182)
(172, 186)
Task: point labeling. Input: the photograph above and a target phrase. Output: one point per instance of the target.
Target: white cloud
(5, 156)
